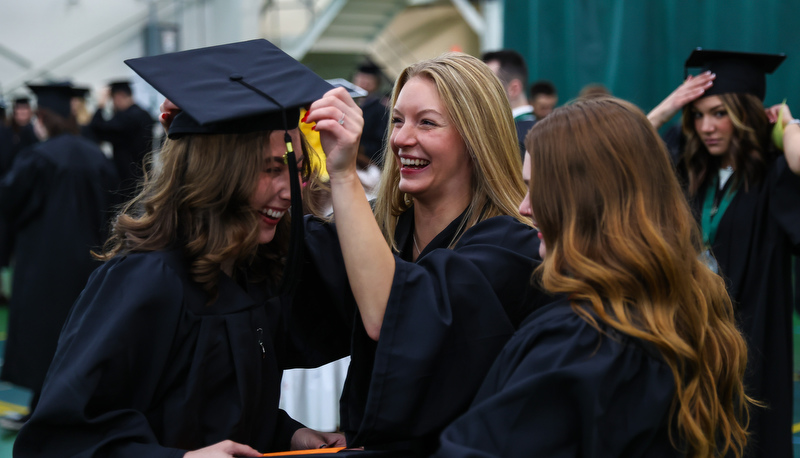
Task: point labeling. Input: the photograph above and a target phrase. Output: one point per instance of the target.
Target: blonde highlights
(750, 143)
(478, 108)
(623, 245)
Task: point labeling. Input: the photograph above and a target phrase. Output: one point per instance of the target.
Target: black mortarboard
(80, 92)
(369, 68)
(740, 72)
(120, 86)
(234, 88)
(55, 97)
(237, 88)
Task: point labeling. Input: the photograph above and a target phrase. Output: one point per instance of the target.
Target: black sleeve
(785, 202)
(104, 376)
(284, 430)
(445, 322)
(322, 311)
(23, 189)
(562, 390)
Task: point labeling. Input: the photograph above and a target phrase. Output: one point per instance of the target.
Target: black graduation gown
(11, 143)
(756, 237)
(146, 368)
(6, 148)
(130, 133)
(6, 158)
(561, 389)
(449, 314)
(523, 126)
(56, 199)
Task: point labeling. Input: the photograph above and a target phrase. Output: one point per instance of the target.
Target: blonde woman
(439, 269)
(641, 357)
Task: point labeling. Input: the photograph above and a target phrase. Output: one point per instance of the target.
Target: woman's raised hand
(689, 91)
(339, 123)
(168, 112)
(306, 438)
(774, 111)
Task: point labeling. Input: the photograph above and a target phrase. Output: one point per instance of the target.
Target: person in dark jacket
(439, 268)
(55, 199)
(129, 131)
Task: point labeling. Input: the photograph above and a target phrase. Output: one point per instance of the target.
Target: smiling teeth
(272, 213)
(406, 161)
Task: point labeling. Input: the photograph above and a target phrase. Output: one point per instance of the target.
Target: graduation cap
(740, 72)
(80, 92)
(120, 86)
(238, 88)
(369, 68)
(55, 97)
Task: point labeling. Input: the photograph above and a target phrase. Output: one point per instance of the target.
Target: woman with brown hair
(743, 186)
(641, 357)
(176, 345)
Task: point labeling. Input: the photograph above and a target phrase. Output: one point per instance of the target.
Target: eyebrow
(715, 107)
(421, 112)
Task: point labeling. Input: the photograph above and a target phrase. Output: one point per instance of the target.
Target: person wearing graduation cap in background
(21, 123)
(741, 163)
(6, 151)
(82, 115)
(176, 346)
(641, 356)
(129, 131)
(376, 116)
(55, 199)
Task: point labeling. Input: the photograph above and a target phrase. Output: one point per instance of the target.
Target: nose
(402, 136)
(706, 124)
(525, 206)
(283, 185)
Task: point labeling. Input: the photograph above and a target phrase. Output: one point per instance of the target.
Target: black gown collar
(405, 228)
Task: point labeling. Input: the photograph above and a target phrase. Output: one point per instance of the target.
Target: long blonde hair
(196, 196)
(477, 105)
(623, 245)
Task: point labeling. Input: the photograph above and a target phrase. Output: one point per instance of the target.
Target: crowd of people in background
(510, 278)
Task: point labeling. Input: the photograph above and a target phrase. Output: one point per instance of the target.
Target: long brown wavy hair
(623, 245)
(477, 105)
(750, 143)
(195, 196)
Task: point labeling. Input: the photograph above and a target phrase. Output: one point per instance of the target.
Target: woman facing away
(440, 268)
(641, 357)
(745, 192)
(176, 345)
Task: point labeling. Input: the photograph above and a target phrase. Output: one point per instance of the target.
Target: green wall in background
(636, 48)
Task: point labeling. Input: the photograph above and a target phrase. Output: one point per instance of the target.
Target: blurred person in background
(56, 199)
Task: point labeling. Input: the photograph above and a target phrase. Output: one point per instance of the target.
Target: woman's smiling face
(428, 148)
